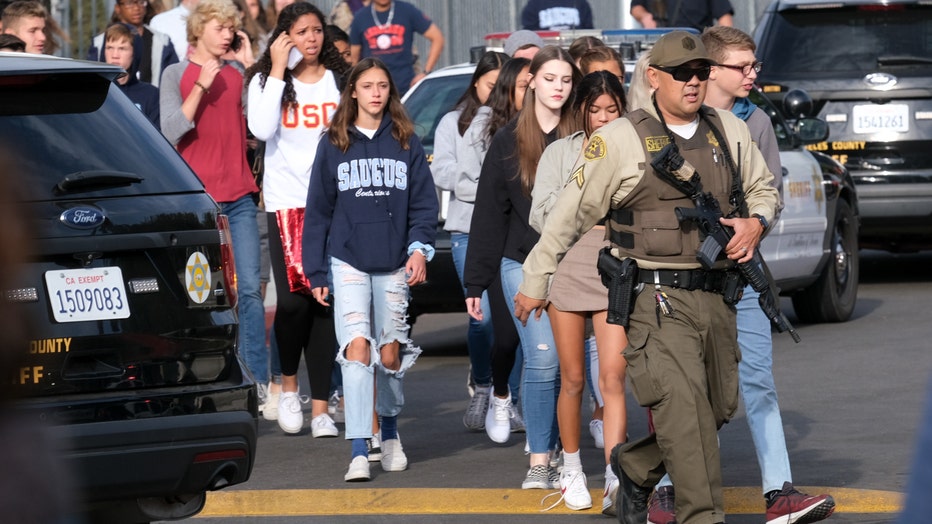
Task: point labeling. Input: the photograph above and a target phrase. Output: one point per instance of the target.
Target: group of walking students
(352, 208)
(350, 239)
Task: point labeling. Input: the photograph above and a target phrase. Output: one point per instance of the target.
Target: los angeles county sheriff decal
(197, 277)
(595, 150)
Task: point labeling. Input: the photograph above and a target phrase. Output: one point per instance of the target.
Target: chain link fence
(463, 22)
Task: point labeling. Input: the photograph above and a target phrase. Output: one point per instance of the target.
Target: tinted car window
(427, 106)
(87, 138)
(784, 139)
(853, 39)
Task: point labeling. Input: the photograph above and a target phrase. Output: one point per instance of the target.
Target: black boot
(632, 505)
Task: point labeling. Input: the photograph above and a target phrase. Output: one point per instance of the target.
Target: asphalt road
(851, 395)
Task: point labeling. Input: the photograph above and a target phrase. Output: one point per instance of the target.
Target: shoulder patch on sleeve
(595, 150)
(578, 176)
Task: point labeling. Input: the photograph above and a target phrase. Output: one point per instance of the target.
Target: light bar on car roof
(640, 39)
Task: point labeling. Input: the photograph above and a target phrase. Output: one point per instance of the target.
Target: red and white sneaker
(792, 507)
(660, 507)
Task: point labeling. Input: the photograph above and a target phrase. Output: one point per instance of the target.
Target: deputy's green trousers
(684, 368)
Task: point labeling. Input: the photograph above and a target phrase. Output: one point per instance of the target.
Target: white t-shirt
(290, 137)
(174, 23)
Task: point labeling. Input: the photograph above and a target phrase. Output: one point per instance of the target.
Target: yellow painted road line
(450, 501)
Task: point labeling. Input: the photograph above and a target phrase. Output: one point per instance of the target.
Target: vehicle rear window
(855, 39)
(433, 99)
(55, 128)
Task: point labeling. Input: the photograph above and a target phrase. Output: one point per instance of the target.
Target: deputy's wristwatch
(762, 220)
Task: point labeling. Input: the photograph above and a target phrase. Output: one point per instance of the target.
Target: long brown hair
(530, 139)
(348, 110)
(502, 98)
(469, 102)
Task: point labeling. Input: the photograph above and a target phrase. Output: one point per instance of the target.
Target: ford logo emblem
(880, 80)
(83, 217)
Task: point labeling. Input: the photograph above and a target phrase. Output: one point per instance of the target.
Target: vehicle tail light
(882, 7)
(226, 258)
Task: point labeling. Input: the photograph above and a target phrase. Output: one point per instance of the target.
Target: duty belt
(688, 279)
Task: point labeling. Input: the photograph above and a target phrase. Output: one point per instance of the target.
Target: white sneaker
(290, 416)
(610, 496)
(498, 419)
(269, 410)
(375, 448)
(393, 455)
(335, 408)
(595, 429)
(575, 491)
(358, 470)
(323, 426)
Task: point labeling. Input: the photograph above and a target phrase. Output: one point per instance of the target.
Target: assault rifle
(676, 171)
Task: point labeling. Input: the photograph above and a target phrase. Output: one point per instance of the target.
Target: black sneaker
(632, 498)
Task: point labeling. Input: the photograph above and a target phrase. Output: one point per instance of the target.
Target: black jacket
(499, 226)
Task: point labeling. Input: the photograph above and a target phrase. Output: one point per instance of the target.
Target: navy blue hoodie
(366, 206)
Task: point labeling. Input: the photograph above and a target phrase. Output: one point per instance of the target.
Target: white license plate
(77, 295)
(876, 118)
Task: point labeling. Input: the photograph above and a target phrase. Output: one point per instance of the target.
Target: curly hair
(329, 55)
(221, 10)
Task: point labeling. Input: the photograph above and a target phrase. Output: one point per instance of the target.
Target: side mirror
(812, 130)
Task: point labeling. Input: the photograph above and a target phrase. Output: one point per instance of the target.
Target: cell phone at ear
(294, 58)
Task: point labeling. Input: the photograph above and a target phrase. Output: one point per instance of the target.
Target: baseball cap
(676, 48)
(520, 39)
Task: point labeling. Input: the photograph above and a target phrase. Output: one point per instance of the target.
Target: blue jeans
(755, 377)
(249, 308)
(541, 366)
(479, 335)
(373, 306)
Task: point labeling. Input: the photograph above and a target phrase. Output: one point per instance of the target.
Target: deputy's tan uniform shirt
(612, 166)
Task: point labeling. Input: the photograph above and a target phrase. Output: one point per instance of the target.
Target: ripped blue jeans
(539, 383)
(373, 306)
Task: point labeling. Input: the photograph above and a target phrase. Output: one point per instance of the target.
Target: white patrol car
(812, 250)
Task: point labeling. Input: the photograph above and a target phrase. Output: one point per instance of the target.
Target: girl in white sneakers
(290, 103)
(371, 221)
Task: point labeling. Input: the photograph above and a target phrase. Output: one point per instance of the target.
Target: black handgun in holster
(620, 277)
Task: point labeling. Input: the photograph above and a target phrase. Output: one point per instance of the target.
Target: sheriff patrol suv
(868, 66)
(812, 251)
(129, 287)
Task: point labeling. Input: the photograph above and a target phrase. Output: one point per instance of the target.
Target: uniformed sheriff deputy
(683, 352)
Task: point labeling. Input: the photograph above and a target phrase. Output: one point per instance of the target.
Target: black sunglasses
(685, 74)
